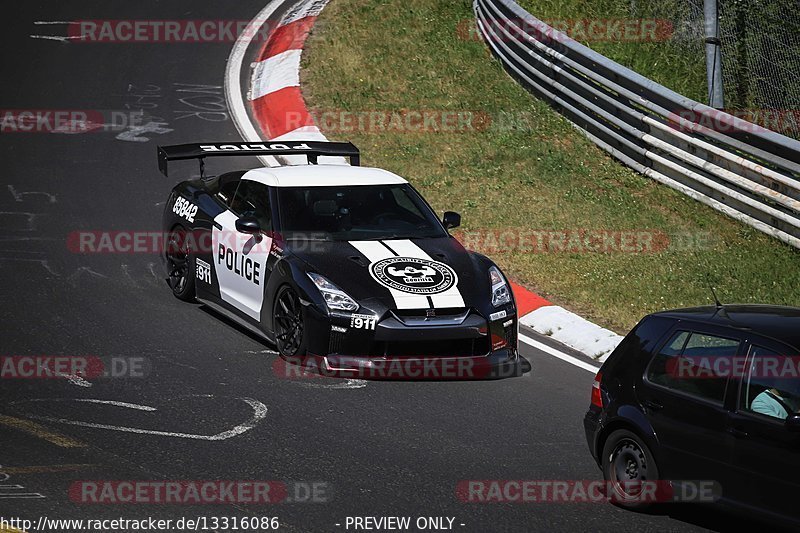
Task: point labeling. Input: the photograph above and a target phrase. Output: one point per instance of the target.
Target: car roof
(781, 323)
(322, 175)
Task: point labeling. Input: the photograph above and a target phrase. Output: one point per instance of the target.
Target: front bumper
(454, 344)
(498, 365)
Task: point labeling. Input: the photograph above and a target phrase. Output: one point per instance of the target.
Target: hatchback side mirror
(248, 225)
(793, 423)
(451, 219)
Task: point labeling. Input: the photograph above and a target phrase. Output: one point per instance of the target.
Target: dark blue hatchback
(709, 393)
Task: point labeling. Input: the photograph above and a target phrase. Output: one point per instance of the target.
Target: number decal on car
(362, 321)
(203, 271)
(184, 208)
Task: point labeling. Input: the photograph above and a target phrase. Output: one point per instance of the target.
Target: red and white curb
(277, 105)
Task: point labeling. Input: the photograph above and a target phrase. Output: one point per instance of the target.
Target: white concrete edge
(233, 85)
(572, 330)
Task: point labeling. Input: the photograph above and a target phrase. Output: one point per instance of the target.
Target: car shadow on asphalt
(714, 518)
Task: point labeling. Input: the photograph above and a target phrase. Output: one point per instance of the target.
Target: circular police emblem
(412, 275)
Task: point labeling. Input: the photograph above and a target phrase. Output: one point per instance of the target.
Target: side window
(226, 192)
(252, 199)
(770, 385)
(695, 363)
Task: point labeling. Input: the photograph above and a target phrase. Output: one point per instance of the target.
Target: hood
(401, 273)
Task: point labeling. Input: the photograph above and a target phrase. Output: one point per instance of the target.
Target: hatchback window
(695, 363)
(771, 385)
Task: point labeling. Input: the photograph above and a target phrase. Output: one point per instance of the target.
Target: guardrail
(743, 170)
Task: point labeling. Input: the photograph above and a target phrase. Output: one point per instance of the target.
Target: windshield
(358, 212)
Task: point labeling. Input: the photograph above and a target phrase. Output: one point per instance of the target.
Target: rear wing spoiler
(312, 149)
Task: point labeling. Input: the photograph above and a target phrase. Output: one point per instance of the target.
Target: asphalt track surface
(380, 448)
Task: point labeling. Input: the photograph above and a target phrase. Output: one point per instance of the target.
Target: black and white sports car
(344, 266)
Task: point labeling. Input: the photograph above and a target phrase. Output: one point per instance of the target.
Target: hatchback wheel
(630, 470)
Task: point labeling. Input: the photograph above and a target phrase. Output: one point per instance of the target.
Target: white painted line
(75, 379)
(119, 404)
(558, 354)
(59, 38)
(259, 412)
(233, 83)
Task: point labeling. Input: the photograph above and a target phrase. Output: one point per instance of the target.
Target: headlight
(335, 298)
(501, 294)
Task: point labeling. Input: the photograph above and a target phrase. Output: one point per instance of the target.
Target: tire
(180, 262)
(289, 325)
(626, 458)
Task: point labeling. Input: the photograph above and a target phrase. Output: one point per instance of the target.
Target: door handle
(653, 405)
(738, 433)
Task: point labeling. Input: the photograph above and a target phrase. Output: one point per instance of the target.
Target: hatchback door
(766, 467)
(684, 392)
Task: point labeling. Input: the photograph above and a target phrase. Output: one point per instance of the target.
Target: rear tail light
(597, 395)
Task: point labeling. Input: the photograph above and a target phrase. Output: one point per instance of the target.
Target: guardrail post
(713, 55)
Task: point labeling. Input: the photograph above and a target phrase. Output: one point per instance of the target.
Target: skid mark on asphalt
(259, 413)
(37, 430)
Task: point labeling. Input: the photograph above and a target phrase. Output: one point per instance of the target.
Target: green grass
(406, 54)
(672, 63)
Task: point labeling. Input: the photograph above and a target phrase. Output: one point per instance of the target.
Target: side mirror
(793, 423)
(451, 219)
(248, 225)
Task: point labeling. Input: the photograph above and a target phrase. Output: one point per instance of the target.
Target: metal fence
(742, 170)
(760, 45)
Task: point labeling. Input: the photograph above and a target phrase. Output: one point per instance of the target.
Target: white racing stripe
(375, 251)
(449, 298)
